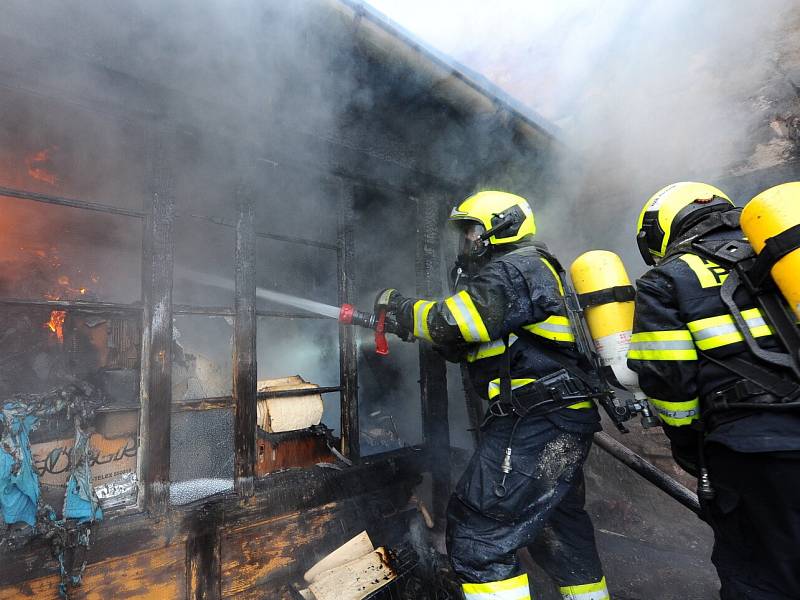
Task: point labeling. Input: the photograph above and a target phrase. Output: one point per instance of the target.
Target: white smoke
(644, 93)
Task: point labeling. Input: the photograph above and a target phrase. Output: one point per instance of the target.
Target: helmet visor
(469, 238)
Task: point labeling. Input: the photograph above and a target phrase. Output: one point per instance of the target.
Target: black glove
(392, 302)
(387, 299)
(392, 325)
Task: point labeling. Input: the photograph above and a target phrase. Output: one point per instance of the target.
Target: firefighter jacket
(516, 291)
(679, 316)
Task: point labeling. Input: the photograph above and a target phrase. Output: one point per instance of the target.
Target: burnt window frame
(90, 306)
(156, 309)
(158, 216)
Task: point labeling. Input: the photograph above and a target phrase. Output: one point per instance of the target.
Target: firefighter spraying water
(346, 314)
(512, 320)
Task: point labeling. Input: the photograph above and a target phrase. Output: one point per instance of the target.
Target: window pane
(297, 203)
(302, 271)
(202, 455)
(202, 363)
(61, 149)
(203, 263)
(305, 347)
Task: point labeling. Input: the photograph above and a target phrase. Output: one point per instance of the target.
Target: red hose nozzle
(350, 316)
(346, 314)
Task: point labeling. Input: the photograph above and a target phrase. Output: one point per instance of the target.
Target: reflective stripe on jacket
(679, 312)
(517, 290)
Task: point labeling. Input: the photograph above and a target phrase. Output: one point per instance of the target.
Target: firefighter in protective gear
(524, 485)
(683, 337)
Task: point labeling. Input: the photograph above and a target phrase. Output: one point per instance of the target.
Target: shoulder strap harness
(745, 268)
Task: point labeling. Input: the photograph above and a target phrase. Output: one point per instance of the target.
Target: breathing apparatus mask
(473, 252)
(474, 247)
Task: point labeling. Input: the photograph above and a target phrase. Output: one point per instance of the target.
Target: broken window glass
(202, 363)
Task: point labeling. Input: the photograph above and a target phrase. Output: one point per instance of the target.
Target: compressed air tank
(601, 275)
(770, 213)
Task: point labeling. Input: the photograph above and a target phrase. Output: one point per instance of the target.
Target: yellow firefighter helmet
(509, 215)
(674, 209)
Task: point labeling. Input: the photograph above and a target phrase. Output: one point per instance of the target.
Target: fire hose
(649, 471)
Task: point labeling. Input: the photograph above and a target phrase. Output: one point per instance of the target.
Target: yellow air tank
(768, 214)
(610, 321)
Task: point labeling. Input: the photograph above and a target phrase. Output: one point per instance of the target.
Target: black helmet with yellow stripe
(674, 209)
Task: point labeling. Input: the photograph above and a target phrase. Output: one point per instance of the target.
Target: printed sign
(113, 468)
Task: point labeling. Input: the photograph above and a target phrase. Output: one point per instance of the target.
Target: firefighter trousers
(756, 521)
(542, 508)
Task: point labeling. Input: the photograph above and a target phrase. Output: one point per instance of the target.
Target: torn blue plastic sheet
(19, 482)
(80, 501)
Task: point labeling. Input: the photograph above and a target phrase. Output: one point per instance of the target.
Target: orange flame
(40, 165)
(56, 323)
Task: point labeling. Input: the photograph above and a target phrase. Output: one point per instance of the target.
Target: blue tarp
(19, 482)
(80, 501)
(19, 492)
(78, 504)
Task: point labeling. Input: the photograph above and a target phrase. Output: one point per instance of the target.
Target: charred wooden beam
(81, 305)
(348, 342)
(204, 554)
(311, 391)
(244, 344)
(156, 372)
(475, 411)
(69, 202)
(432, 367)
(208, 311)
(263, 234)
(296, 240)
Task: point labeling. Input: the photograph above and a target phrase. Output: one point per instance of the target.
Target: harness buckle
(496, 409)
(718, 400)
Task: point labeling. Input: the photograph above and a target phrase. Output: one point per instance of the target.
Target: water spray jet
(346, 314)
